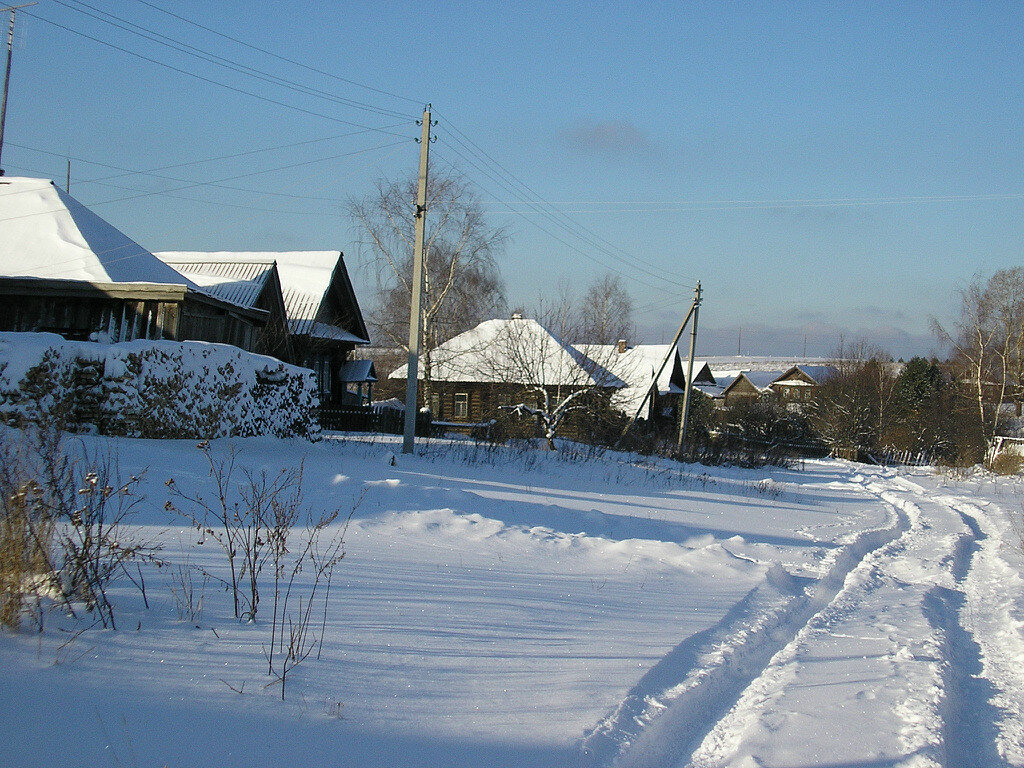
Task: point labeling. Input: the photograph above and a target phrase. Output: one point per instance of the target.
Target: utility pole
(67, 182)
(7, 76)
(415, 312)
(685, 417)
(654, 382)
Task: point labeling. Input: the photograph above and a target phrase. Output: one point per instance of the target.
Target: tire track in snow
(919, 738)
(986, 680)
(666, 715)
(969, 719)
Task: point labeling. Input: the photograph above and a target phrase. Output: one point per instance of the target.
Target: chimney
(622, 346)
(516, 316)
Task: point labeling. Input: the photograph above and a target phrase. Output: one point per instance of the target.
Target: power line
(533, 201)
(573, 228)
(201, 184)
(248, 174)
(566, 243)
(209, 80)
(537, 207)
(132, 172)
(279, 57)
(216, 59)
(685, 206)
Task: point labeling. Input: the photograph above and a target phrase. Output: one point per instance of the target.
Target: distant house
(501, 363)
(65, 270)
(796, 386)
(793, 387)
(749, 387)
(325, 324)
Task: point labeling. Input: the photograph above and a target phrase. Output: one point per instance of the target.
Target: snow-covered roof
(637, 367)
(818, 373)
(305, 281)
(516, 351)
(46, 233)
(355, 371)
(326, 331)
(762, 379)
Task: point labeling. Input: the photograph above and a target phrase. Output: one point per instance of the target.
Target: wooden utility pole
(7, 76)
(685, 417)
(654, 383)
(415, 312)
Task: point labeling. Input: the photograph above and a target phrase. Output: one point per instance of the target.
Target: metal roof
(238, 283)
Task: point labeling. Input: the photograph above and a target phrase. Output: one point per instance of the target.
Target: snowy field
(519, 608)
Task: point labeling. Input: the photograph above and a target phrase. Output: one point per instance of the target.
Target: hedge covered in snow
(160, 389)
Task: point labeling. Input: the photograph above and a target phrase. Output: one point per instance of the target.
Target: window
(435, 405)
(461, 405)
(322, 366)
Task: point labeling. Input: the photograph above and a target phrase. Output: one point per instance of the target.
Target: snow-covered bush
(159, 389)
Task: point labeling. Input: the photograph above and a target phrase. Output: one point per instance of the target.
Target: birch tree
(555, 378)
(988, 343)
(462, 285)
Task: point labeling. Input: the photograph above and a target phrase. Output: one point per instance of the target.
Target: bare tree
(462, 285)
(606, 312)
(988, 342)
(851, 409)
(567, 361)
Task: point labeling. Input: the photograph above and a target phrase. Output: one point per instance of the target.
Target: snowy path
(914, 660)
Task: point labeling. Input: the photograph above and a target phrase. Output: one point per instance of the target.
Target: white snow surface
(504, 607)
(46, 233)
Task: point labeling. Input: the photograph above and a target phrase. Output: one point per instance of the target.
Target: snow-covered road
(917, 659)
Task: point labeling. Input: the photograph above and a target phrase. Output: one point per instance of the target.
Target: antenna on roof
(7, 75)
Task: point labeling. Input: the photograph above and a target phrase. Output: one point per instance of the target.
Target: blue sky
(826, 170)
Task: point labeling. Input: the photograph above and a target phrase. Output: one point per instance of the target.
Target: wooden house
(256, 285)
(749, 387)
(795, 388)
(65, 270)
(480, 374)
(325, 324)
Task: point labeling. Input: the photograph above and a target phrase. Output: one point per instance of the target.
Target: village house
(477, 375)
(795, 388)
(638, 365)
(324, 322)
(65, 270)
(748, 387)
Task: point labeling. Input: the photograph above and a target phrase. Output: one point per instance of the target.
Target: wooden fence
(374, 418)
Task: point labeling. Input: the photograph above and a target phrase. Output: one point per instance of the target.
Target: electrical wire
(536, 207)
(686, 206)
(201, 184)
(533, 201)
(131, 172)
(213, 58)
(277, 56)
(518, 187)
(209, 80)
(499, 174)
